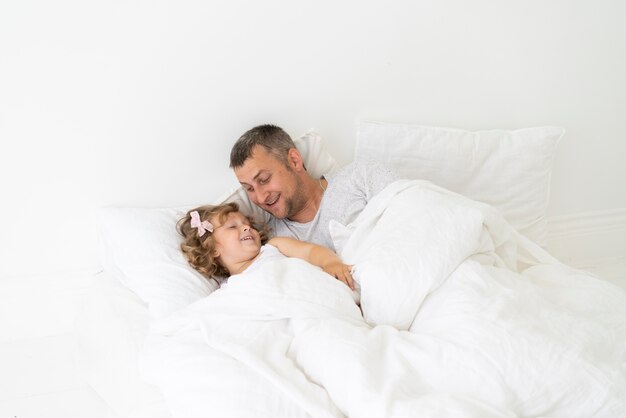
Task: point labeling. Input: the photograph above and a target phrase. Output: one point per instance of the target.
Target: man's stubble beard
(297, 201)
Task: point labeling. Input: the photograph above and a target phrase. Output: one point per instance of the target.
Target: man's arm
(316, 255)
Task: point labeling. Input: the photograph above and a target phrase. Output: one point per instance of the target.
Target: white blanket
(461, 317)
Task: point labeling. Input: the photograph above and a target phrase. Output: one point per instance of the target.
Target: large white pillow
(141, 246)
(508, 169)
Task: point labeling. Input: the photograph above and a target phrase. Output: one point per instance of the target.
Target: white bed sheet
(111, 327)
(466, 318)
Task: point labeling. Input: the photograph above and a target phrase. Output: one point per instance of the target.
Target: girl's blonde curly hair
(199, 249)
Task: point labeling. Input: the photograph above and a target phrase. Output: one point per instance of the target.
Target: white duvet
(461, 317)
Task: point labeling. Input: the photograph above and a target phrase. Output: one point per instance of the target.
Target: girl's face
(236, 241)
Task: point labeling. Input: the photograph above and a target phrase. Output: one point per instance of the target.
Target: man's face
(270, 184)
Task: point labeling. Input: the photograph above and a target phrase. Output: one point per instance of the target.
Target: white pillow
(508, 169)
(141, 246)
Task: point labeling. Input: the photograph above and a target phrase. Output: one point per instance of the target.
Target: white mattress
(111, 327)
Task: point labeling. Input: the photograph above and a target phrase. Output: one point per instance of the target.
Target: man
(271, 170)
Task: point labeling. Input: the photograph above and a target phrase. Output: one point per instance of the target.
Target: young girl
(221, 241)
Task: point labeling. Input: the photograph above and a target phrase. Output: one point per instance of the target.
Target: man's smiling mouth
(271, 202)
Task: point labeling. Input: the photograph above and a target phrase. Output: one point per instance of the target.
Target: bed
(462, 311)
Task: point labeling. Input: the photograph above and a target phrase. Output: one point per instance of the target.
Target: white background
(137, 103)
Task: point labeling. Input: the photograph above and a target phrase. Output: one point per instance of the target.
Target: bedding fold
(461, 316)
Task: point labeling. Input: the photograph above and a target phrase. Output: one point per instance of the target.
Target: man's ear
(295, 160)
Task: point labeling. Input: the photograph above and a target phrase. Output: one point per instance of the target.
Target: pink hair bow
(202, 226)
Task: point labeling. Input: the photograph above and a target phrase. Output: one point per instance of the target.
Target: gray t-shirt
(348, 191)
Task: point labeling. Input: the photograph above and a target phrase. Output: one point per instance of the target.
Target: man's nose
(260, 195)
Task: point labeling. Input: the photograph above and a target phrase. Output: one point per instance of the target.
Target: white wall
(138, 102)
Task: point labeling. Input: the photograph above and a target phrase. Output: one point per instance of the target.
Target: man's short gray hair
(274, 139)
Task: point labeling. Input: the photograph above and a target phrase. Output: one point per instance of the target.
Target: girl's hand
(340, 271)
(320, 256)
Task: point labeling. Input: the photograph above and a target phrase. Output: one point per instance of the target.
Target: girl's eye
(265, 180)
